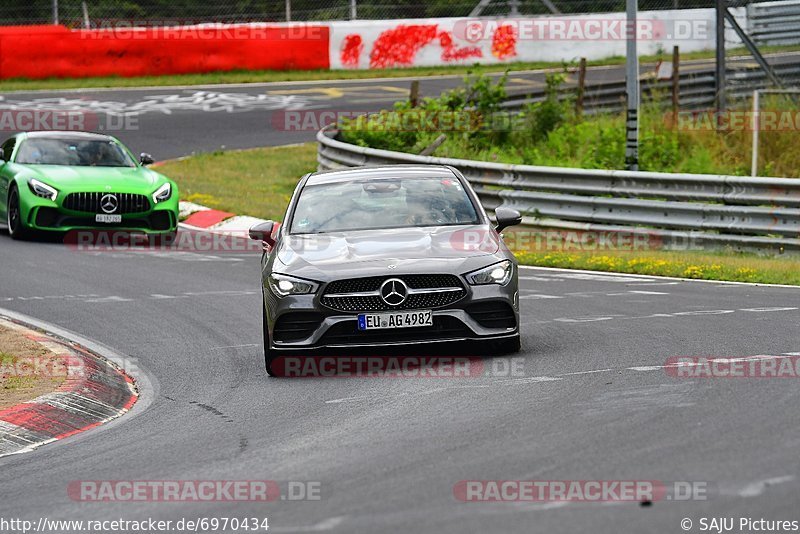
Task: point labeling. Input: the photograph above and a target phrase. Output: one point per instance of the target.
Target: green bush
(551, 133)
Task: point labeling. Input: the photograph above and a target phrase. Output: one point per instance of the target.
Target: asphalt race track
(172, 122)
(593, 402)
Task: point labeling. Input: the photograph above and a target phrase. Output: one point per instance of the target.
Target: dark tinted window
(73, 152)
(8, 148)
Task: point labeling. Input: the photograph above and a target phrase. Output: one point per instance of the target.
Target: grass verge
(214, 78)
(256, 182)
(20, 358)
(259, 182)
(700, 265)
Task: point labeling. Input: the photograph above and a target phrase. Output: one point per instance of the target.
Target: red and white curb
(95, 391)
(198, 217)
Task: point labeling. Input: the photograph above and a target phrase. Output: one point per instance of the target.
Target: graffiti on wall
(399, 46)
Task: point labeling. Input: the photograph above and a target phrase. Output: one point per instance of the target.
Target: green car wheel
(13, 220)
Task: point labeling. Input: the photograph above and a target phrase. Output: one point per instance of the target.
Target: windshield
(77, 152)
(382, 203)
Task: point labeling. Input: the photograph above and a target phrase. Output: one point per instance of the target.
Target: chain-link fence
(96, 13)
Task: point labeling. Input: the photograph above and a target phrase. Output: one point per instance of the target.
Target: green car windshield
(73, 152)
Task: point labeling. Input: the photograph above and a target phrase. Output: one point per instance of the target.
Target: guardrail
(774, 23)
(705, 210)
(697, 89)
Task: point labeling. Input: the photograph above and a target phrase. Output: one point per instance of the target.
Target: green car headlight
(497, 273)
(42, 190)
(282, 285)
(163, 193)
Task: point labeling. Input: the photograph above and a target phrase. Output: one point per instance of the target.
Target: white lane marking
(595, 277)
(97, 299)
(235, 346)
(645, 368)
(211, 293)
(540, 279)
(755, 489)
(650, 278)
(695, 313)
(586, 372)
(655, 283)
(112, 298)
(583, 319)
(405, 394)
(773, 309)
(48, 297)
(791, 353)
(530, 380)
(586, 294)
(165, 104)
(542, 379)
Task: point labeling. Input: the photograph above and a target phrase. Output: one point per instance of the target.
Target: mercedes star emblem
(109, 203)
(394, 291)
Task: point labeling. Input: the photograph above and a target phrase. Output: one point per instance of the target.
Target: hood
(87, 178)
(409, 249)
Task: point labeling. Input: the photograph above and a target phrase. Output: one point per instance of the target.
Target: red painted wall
(55, 51)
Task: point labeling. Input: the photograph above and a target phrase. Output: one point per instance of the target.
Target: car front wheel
(16, 228)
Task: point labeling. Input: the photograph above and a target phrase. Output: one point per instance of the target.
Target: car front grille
(361, 294)
(91, 203)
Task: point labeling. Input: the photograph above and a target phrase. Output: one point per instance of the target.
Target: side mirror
(263, 232)
(146, 159)
(506, 217)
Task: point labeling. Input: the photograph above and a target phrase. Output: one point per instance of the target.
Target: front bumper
(46, 215)
(301, 322)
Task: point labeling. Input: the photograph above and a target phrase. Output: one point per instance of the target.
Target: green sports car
(64, 181)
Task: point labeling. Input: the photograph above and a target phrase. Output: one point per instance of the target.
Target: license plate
(375, 321)
(103, 218)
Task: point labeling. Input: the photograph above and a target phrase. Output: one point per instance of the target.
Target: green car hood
(124, 179)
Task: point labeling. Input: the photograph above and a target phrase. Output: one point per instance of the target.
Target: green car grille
(92, 202)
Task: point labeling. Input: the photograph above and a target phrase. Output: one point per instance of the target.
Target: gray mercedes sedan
(387, 256)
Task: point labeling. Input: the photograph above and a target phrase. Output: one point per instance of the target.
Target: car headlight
(497, 273)
(42, 190)
(163, 193)
(283, 285)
